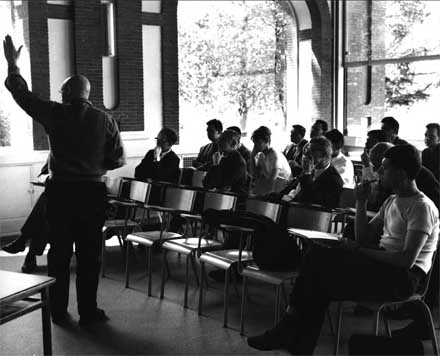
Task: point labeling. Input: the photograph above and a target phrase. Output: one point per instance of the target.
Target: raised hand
(216, 158)
(362, 191)
(11, 53)
(365, 158)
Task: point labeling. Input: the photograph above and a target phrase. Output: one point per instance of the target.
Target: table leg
(45, 316)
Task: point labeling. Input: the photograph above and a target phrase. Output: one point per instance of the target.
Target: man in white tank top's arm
(389, 258)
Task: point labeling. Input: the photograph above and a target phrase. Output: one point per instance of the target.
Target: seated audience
(160, 163)
(242, 149)
(228, 171)
(431, 154)
(319, 182)
(204, 159)
(35, 229)
(318, 129)
(407, 228)
(267, 165)
(390, 126)
(342, 163)
(373, 137)
(294, 151)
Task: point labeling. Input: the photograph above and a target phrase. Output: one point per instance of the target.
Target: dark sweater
(166, 170)
(325, 190)
(231, 172)
(431, 160)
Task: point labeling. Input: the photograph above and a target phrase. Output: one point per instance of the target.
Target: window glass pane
(407, 91)
(232, 66)
(151, 6)
(15, 124)
(391, 29)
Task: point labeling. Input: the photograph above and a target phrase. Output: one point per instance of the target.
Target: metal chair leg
(339, 327)
(194, 268)
(387, 326)
(432, 327)
(162, 282)
(377, 320)
(149, 252)
(202, 277)
(127, 259)
(226, 298)
(277, 303)
(103, 256)
(185, 300)
(243, 305)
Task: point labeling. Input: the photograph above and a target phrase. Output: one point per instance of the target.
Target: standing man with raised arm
(84, 144)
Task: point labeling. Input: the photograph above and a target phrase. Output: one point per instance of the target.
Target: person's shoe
(30, 264)
(97, 316)
(414, 330)
(15, 246)
(61, 318)
(281, 336)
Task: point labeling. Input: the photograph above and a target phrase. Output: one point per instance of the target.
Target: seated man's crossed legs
(331, 274)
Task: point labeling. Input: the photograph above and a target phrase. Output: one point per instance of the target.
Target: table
(16, 290)
(312, 234)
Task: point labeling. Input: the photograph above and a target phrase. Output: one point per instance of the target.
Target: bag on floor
(272, 248)
(383, 345)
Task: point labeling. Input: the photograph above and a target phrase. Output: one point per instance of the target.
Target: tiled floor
(140, 325)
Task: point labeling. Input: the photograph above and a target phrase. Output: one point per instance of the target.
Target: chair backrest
(219, 201)
(303, 217)
(347, 199)
(179, 199)
(139, 191)
(113, 185)
(197, 178)
(268, 209)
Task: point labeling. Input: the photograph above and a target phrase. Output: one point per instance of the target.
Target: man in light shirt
(389, 258)
(342, 163)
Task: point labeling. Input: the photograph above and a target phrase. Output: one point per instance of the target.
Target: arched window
(238, 62)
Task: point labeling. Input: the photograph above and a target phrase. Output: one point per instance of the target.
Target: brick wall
(365, 98)
(170, 62)
(88, 49)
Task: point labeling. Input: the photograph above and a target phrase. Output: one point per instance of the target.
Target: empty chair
(138, 195)
(226, 259)
(176, 201)
(191, 246)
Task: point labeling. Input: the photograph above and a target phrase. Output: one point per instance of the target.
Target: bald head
(75, 87)
(377, 152)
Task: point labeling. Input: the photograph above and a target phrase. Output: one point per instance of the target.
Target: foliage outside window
(392, 65)
(232, 66)
(15, 125)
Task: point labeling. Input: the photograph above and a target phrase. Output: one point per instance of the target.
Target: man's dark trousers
(332, 274)
(76, 215)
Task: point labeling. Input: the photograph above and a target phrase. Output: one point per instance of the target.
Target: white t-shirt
(266, 165)
(345, 168)
(417, 213)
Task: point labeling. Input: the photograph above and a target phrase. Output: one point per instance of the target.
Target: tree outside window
(232, 65)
